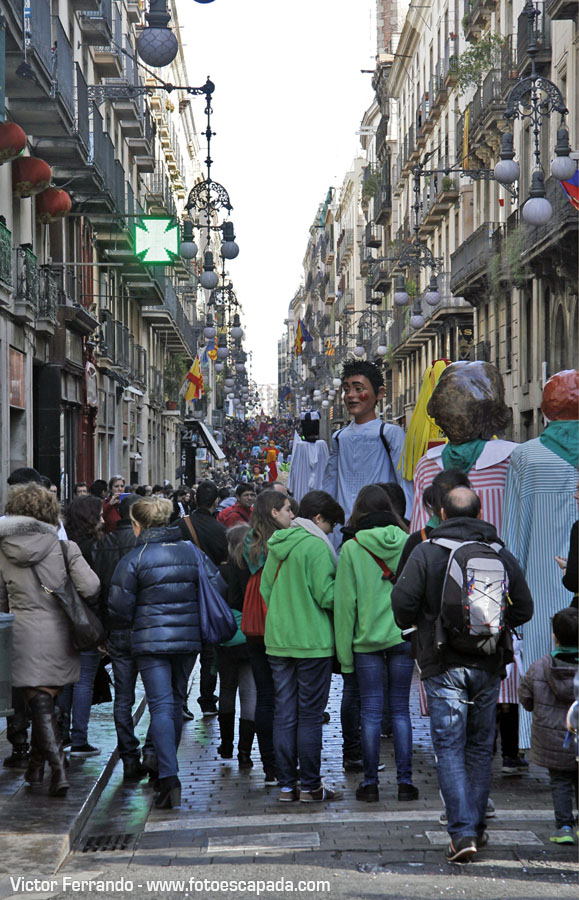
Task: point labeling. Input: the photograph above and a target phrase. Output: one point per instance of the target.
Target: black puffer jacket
(108, 552)
(417, 594)
(546, 689)
(154, 592)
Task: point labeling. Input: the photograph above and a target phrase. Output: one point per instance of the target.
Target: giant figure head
(561, 396)
(469, 402)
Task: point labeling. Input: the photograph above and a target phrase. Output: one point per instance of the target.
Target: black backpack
(475, 595)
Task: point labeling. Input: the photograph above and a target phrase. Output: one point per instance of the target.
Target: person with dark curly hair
(84, 525)
(368, 450)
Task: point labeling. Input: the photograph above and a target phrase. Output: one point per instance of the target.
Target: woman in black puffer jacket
(154, 593)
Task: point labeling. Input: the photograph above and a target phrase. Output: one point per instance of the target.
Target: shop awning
(206, 437)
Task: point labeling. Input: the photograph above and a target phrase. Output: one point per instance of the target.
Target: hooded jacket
(417, 595)
(211, 534)
(546, 689)
(234, 515)
(107, 553)
(154, 593)
(363, 617)
(297, 586)
(42, 654)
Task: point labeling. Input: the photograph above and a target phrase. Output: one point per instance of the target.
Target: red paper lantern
(51, 205)
(12, 141)
(30, 175)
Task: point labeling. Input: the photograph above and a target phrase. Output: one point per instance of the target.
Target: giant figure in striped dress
(468, 405)
(539, 511)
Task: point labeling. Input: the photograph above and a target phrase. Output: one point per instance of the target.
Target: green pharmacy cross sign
(157, 240)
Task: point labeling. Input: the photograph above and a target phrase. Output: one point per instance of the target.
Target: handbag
(216, 618)
(86, 628)
(254, 608)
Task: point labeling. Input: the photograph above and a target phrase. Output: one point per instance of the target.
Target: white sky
(289, 99)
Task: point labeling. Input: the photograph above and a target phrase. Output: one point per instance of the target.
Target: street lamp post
(532, 99)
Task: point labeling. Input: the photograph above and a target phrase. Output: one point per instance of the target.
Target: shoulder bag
(216, 618)
(86, 627)
(254, 608)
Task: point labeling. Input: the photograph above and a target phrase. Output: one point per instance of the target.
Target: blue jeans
(462, 704)
(165, 679)
(350, 717)
(369, 671)
(302, 687)
(125, 677)
(76, 699)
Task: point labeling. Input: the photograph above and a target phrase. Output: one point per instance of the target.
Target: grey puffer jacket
(547, 690)
(43, 655)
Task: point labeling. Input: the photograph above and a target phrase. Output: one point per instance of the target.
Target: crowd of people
(362, 577)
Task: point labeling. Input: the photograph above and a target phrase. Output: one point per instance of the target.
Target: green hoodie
(363, 617)
(300, 599)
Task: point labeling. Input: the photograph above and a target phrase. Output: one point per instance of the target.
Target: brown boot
(42, 710)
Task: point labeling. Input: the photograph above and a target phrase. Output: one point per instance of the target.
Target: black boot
(42, 711)
(226, 730)
(169, 795)
(35, 772)
(245, 742)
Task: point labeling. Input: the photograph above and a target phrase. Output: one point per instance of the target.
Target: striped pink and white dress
(488, 479)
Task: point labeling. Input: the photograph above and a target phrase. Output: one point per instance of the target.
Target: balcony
(142, 148)
(135, 11)
(48, 300)
(450, 65)
(25, 308)
(508, 66)
(40, 84)
(382, 278)
(330, 291)
(159, 197)
(96, 25)
(5, 258)
(383, 205)
(424, 124)
(408, 149)
(541, 31)
(107, 56)
(373, 236)
(382, 135)
(469, 263)
(345, 247)
(562, 9)
(559, 235)
(488, 108)
(170, 321)
(438, 91)
(477, 14)
(82, 6)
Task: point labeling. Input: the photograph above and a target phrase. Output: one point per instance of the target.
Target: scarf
(462, 456)
(312, 528)
(562, 438)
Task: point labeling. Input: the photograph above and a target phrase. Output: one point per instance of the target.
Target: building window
(547, 330)
(508, 330)
(529, 337)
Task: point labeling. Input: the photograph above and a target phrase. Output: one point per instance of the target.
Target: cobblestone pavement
(230, 823)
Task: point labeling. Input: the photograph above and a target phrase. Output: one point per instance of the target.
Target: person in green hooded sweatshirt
(297, 586)
(367, 637)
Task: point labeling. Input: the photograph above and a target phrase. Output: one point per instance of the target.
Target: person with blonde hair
(154, 594)
(32, 564)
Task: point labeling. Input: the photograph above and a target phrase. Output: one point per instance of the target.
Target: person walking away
(154, 595)
(368, 639)
(44, 659)
(546, 690)
(272, 512)
(202, 528)
(297, 587)
(106, 555)
(462, 660)
(235, 674)
(84, 525)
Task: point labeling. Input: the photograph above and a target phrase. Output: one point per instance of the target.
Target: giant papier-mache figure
(468, 405)
(309, 457)
(539, 511)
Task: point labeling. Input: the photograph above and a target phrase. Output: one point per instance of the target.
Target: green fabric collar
(564, 651)
(433, 522)
(462, 456)
(562, 438)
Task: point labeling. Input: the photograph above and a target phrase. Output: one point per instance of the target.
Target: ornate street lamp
(156, 44)
(533, 98)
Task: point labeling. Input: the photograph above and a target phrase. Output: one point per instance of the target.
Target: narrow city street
(231, 829)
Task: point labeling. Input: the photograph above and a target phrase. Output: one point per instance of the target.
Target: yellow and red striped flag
(194, 382)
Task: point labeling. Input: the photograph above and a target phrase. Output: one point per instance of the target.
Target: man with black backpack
(459, 595)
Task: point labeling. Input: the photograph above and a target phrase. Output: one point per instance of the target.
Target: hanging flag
(330, 350)
(299, 341)
(194, 382)
(571, 188)
(286, 392)
(305, 333)
(465, 160)
(212, 354)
